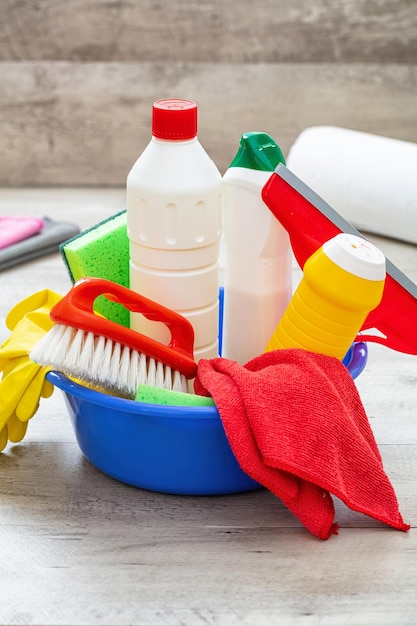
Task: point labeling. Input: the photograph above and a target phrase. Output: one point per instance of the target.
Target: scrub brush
(90, 348)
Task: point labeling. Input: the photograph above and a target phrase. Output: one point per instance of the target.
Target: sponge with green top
(101, 251)
(156, 395)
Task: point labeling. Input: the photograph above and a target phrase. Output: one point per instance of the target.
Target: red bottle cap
(174, 119)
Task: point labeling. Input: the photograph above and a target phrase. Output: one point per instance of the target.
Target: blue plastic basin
(178, 450)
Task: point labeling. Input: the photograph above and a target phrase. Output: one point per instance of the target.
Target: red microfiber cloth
(296, 425)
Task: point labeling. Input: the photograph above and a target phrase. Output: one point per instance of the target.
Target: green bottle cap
(258, 151)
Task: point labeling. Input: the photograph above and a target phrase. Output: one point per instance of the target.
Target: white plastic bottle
(174, 221)
(258, 278)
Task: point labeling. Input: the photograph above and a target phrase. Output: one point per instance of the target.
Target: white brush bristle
(103, 362)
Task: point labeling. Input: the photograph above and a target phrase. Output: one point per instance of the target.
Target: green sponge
(101, 251)
(155, 395)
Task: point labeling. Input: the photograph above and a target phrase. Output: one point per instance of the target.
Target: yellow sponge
(101, 251)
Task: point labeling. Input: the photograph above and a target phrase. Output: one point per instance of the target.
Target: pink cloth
(14, 229)
(296, 424)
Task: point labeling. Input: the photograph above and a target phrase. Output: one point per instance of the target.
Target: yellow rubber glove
(23, 382)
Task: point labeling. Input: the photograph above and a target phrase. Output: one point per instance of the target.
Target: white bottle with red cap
(174, 221)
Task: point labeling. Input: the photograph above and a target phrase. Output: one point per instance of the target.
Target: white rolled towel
(369, 179)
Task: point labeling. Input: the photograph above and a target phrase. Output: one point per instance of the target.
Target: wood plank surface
(77, 79)
(86, 123)
(271, 31)
(78, 547)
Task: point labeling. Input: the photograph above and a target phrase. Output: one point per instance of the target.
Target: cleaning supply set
(255, 418)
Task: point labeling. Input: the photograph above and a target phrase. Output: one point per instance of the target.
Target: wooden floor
(79, 548)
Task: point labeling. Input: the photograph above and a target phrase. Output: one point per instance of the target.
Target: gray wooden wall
(78, 77)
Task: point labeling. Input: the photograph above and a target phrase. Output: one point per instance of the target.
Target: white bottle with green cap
(257, 252)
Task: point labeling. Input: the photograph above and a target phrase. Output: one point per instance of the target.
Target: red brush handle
(76, 310)
(308, 228)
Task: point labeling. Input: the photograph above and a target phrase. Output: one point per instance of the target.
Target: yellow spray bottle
(342, 282)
